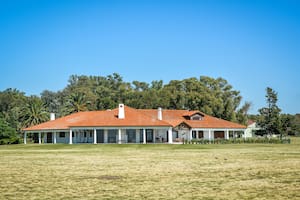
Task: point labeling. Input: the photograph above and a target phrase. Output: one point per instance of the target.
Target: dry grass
(150, 171)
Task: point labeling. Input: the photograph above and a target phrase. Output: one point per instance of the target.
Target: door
(200, 134)
(100, 136)
(49, 137)
(131, 135)
(219, 134)
(112, 136)
(149, 135)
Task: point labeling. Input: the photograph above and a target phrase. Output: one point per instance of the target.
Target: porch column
(25, 138)
(154, 136)
(191, 135)
(70, 137)
(95, 136)
(227, 134)
(54, 137)
(209, 134)
(40, 138)
(105, 136)
(119, 137)
(170, 136)
(144, 136)
(245, 134)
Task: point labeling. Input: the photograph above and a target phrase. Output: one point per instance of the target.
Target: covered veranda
(95, 135)
(211, 134)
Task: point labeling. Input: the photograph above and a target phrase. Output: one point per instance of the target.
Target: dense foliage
(215, 97)
(272, 121)
(212, 96)
(7, 134)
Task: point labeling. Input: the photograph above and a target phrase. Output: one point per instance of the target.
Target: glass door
(149, 135)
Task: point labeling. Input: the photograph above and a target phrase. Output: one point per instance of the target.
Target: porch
(211, 134)
(103, 135)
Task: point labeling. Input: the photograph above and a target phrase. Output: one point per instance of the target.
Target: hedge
(256, 140)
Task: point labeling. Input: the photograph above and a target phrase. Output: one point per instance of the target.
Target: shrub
(262, 140)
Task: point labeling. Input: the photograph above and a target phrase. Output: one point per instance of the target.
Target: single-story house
(128, 125)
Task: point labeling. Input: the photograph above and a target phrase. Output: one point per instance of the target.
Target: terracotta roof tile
(133, 118)
(108, 118)
(175, 117)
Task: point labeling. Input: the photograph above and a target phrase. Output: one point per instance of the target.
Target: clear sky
(252, 44)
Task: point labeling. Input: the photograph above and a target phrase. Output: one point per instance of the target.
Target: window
(196, 117)
(84, 134)
(91, 134)
(200, 134)
(194, 134)
(62, 134)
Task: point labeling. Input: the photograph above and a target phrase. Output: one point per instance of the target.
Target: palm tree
(34, 112)
(76, 102)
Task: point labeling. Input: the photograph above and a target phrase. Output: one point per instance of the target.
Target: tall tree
(76, 102)
(33, 112)
(242, 113)
(8, 134)
(269, 118)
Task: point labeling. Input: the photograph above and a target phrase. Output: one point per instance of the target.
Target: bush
(257, 140)
(8, 134)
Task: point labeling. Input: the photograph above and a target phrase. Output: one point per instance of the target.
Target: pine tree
(269, 118)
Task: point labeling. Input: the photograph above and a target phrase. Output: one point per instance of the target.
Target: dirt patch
(108, 177)
(104, 177)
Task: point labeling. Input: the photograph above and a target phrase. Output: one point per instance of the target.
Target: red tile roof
(176, 117)
(133, 118)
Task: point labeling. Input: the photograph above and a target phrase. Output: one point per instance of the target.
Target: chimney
(121, 111)
(159, 113)
(52, 116)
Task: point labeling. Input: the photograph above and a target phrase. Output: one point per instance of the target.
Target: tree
(269, 118)
(8, 134)
(287, 125)
(11, 101)
(51, 101)
(34, 112)
(76, 102)
(242, 113)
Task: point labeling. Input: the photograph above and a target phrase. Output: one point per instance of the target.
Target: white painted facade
(250, 129)
(133, 135)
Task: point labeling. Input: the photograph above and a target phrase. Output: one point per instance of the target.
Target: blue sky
(252, 44)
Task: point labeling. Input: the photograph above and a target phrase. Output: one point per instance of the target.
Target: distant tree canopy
(272, 121)
(212, 96)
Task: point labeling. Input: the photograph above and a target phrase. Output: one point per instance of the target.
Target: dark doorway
(49, 138)
(131, 135)
(100, 136)
(149, 135)
(219, 134)
(112, 136)
(200, 134)
(35, 138)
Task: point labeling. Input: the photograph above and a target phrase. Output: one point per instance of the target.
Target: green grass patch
(231, 171)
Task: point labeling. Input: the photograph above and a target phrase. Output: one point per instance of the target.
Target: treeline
(212, 96)
(215, 97)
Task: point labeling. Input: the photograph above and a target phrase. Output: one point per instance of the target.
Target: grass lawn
(238, 171)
